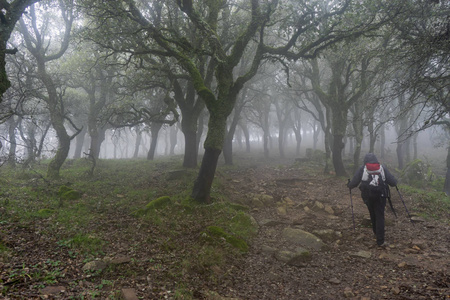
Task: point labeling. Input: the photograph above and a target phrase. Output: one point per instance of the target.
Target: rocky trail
(284, 263)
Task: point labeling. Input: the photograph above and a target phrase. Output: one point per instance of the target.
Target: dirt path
(414, 266)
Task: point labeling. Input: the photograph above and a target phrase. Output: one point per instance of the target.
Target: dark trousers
(376, 206)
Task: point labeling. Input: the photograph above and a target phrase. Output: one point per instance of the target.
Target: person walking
(373, 178)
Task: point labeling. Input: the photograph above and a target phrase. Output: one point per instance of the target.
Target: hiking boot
(384, 245)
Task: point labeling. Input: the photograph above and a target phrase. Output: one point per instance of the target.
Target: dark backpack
(372, 183)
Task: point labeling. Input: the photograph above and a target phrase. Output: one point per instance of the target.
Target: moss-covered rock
(63, 189)
(71, 195)
(158, 203)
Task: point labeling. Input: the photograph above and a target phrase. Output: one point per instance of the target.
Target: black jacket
(371, 158)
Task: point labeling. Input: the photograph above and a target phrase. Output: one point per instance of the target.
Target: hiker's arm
(390, 179)
(356, 178)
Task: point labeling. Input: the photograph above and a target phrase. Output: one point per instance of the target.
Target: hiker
(374, 191)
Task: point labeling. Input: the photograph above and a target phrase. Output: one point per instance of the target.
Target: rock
(395, 290)
(53, 290)
(329, 209)
(417, 219)
(361, 253)
(297, 258)
(325, 234)
(289, 202)
(281, 210)
(304, 238)
(318, 205)
(348, 293)
(267, 249)
(402, 264)
(334, 280)
(120, 260)
(267, 199)
(306, 209)
(94, 266)
(421, 244)
(129, 294)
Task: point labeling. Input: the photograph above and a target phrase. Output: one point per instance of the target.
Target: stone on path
(129, 294)
(304, 238)
(297, 258)
(53, 290)
(96, 265)
(362, 254)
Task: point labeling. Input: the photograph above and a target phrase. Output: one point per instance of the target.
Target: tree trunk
(382, 141)
(281, 141)
(358, 128)
(228, 149)
(338, 164)
(79, 143)
(447, 176)
(154, 129)
(202, 185)
(191, 149)
(247, 137)
(173, 132)
(137, 143)
(61, 154)
(12, 124)
(400, 155)
(215, 137)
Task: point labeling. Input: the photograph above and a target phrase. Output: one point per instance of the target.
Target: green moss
(67, 193)
(158, 203)
(71, 195)
(63, 189)
(218, 232)
(45, 213)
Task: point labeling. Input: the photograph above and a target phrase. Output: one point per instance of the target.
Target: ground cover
(130, 230)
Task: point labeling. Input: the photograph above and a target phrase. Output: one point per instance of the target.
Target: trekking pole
(401, 198)
(351, 203)
(388, 194)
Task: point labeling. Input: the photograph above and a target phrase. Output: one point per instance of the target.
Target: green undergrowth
(141, 207)
(427, 203)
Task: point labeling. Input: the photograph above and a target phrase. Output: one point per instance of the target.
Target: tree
(35, 35)
(10, 13)
(423, 55)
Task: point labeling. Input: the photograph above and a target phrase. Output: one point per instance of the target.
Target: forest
(188, 126)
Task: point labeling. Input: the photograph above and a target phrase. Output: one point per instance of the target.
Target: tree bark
(202, 185)
(137, 143)
(447, 176)
(173, 132)
(12, 124)
(79, 143)
(154, 130)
